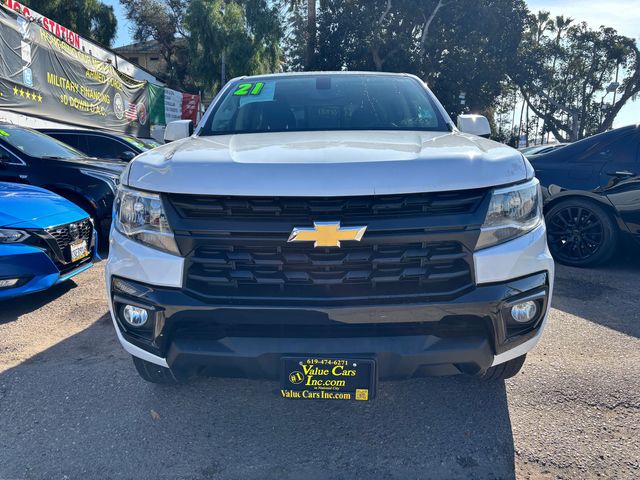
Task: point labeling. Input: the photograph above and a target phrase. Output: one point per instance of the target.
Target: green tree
(91, 19)
(307, 33)
(247, 32)
(455, 45)
(564, 76)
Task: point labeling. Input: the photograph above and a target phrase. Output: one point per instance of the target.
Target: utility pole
(223, 73)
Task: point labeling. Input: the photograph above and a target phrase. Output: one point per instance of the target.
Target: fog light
(8, 282)
(135, 316)
(524, 312)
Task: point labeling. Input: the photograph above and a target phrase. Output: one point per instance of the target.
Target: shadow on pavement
(78, 410)
(607, 294)
(11, 309)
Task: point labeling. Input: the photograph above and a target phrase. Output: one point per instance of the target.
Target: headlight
(513, 211)
(8, 235)
(112, 179)
(140, 217)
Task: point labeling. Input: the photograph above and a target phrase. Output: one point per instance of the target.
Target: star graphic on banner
(28, 95)
(39, 98)
(15, 91)
(21, 92)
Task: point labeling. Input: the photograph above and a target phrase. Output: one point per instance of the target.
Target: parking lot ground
(72, 406)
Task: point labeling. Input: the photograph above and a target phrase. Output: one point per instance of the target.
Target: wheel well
(606, 206)
(555, 200)
(75, 198)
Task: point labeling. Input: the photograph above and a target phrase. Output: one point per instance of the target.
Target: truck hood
(26, 206)
(345, 163)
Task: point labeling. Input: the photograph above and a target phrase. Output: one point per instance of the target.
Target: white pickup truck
(329, 230)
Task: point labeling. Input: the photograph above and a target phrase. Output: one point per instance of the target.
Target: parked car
(44, 239)
(541, 149)
(100, 144)
(330, 230)
(30, 157)
(592, 195)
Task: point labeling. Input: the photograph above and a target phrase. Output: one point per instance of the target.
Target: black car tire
(154, 373)
(587, 225)
(504, 370)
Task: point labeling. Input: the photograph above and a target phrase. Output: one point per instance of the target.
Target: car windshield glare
(36, 144)
(325, 102)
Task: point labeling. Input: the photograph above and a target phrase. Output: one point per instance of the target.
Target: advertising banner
(190, 105)
(165, 105)
(45, 75)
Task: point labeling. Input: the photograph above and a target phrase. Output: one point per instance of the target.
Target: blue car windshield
(36, 144)
(301, 103)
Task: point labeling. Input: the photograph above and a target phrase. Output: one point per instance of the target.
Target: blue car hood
(26, 206)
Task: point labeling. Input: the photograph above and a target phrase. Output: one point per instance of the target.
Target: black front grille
(65, 235)
(351, 271)
(416, 246)
(344, 208)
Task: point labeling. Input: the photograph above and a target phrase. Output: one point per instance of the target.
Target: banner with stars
(41, 75)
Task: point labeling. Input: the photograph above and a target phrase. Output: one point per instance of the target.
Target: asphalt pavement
(72, 406)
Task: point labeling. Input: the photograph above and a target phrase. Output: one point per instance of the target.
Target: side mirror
(177, 130)
(474, 124)
(127, 156)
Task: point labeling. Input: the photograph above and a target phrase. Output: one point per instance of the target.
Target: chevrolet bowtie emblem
(326, 234)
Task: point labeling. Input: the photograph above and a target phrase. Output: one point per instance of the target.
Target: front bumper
(35, 269)
(468, 334)
(461, 336)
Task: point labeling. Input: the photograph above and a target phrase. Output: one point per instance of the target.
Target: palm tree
(543, 23)
(559, 26)
(312, 31)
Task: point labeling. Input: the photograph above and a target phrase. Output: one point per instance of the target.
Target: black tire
(504, 370)
(581, 233)
(154, 373)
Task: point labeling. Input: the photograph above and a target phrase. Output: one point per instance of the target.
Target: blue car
(44, 239)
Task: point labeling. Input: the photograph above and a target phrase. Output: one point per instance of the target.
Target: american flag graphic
(131, 112)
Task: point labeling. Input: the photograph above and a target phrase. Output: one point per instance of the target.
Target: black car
(592, 195)
(99, 144)
(30, 157)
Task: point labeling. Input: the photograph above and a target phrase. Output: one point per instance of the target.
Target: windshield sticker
(258, 92)
(249, 89)
(135, 142)
(3, 134)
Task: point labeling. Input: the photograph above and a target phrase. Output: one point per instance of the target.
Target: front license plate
(79, 250)
(328, 378)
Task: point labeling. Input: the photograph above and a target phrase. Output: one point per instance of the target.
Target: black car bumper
(460, 336)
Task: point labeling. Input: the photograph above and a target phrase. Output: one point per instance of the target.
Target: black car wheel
(580, 233)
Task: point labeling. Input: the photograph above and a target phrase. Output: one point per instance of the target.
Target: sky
(623, 15)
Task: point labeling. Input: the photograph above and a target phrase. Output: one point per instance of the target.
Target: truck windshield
(324, 102)
(36, 144)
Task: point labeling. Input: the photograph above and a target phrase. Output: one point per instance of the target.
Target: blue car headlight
(9, 235)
